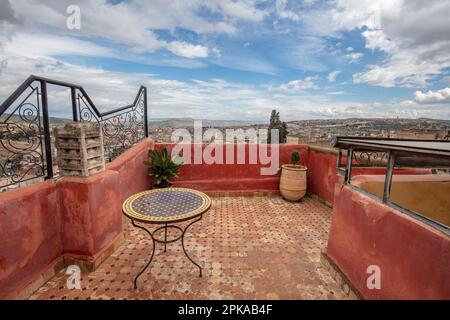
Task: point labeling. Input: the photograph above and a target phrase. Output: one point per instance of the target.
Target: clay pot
(293, 182)
(170, 185)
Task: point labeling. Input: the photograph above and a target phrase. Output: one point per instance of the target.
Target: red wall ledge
(71, 220)
(414, 258)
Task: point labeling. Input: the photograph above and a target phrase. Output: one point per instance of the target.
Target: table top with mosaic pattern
(166, 205)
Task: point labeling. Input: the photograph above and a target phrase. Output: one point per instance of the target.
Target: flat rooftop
(250, 248)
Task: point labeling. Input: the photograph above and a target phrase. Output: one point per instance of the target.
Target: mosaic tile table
(167, 207)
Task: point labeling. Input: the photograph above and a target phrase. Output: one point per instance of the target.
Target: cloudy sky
(218, 59)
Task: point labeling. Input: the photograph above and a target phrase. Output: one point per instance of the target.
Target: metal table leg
(165, 238)
(151, 257)
(165, 241)
(184, 249)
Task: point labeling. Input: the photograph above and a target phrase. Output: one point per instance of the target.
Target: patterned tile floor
(250, 247)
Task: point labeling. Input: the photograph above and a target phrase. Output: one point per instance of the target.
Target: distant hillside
(377, 121)
(53, 120)
(189, 122)
(161, 123)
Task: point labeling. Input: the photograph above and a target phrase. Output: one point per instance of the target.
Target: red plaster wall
(322, 174)
(232, 177)
(414, 258)
(71, 215)
(91, 212)
(92, 207)
(30, 230)
(133, 174)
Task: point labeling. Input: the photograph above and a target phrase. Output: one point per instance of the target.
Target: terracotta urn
(293, 182)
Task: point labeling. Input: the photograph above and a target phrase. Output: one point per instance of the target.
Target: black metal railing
(26, 150)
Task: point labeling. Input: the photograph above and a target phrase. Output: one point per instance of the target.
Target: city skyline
(237, 60)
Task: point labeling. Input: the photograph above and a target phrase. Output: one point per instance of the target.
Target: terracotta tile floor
(250, 247)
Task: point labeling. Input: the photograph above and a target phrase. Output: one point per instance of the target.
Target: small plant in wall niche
(162, 167)
(293, 179)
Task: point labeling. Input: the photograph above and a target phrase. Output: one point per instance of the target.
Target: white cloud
(299, 85)
(187, 50)
(211, 99)
(354, 56)
(352, 14)
(414, 53)
(430, 96)
(412, 34)
(332, 75)
(133, 22)
(376, 39)
(109, 89)
(283, 13)
(336, 93)
(238, 9)
(41, 45)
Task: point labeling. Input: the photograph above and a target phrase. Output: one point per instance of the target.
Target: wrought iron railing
(26, 150)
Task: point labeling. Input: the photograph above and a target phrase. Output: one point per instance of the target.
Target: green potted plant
(293, 179)
(295, 157)
(162, 168)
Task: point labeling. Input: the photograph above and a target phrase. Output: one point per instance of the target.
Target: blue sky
(238, 59)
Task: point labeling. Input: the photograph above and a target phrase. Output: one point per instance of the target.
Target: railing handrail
(10, 100)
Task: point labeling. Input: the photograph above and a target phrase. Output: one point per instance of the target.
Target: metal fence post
(74, 104)
(46, 123)
(388, 177)
(145, 113)
(339, 158)
(348, 171)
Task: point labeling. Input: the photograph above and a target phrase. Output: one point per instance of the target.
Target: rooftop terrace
(374, 207)
(252, 243)
(251, 248)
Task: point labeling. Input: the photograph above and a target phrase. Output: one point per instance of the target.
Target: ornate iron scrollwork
(25, 132)
(121, 130)
(21, 134)
(370, 158)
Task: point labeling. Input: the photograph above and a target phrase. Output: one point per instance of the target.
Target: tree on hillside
(276, 123)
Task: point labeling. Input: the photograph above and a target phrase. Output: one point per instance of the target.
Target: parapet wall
(30, 229)
(235, 176)
(63, 221)
(246, 177)
(322, 172)
(413, 258)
